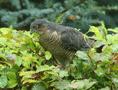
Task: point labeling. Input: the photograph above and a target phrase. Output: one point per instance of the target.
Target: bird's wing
(72, 40)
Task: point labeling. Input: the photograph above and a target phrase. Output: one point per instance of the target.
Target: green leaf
(61, 85)
(24, 88)
(3, 81)
(29, 81)
(12, 80)
(18, 60)
(27, 59)
(96, 31)
(106, 88)
(39, 86)
(48, 55)
(82, 55)
(44, 68)
(5, 30)
(82, 84)
(59, 19)
(3, 41)
(63, 73)
(115, 30)
(112, 39)
(103, 29)
(99, 71)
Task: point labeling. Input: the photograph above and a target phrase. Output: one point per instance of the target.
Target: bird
(62, 41)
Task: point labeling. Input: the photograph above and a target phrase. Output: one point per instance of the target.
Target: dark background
(75, 13)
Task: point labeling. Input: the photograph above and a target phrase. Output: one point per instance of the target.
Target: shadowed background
(75, 13)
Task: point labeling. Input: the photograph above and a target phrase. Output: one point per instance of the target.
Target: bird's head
(39, 26)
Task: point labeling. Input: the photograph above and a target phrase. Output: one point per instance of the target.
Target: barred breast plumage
(61, 41)
(52, 43)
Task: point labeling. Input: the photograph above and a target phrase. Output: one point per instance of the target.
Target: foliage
(23, 63)
(75, 13)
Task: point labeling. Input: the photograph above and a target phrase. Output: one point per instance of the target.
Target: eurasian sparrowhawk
(61, 41)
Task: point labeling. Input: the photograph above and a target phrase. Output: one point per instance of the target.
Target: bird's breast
(52, 43)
